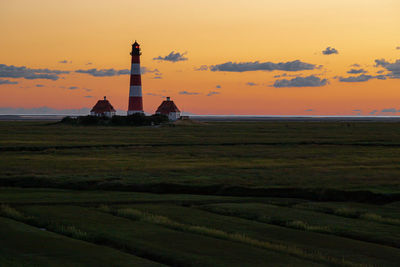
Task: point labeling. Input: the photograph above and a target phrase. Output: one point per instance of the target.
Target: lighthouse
(135, 89)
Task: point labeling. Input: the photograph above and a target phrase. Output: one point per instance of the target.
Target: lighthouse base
(130, 112)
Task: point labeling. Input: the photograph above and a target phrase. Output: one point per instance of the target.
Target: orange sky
(39, 34)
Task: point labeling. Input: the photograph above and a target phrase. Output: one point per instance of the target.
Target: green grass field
(205, 194)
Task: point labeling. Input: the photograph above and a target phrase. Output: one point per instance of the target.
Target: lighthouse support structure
(135, 89)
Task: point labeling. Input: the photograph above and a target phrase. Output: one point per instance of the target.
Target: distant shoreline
(227, 118)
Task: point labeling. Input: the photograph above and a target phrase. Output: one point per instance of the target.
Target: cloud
(64, 61)
(357, 71)
(381, 62)
(104, 72)
(381, 77)
(156, 72)
(356, 65)
(218, 86)
(330, 50)
(89, 63)
(398, 47)
(39, 85)
(310, 81)
(188, 93)
(88, 96)
(357, 110)
(393, 68)
(373, 112)
(2, 81)
(359, 78)
(28, 73)
(202, 68)
(213, 93)
(144, 70)
(309, 110)
(73, 87)
(296, 65)
(392, 110)
(44, 110)
(172, 57)
(251, 84)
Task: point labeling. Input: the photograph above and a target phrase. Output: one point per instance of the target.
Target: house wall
(173, 116)
(107, 114)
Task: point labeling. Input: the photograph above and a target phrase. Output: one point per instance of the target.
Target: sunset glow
(190, 49)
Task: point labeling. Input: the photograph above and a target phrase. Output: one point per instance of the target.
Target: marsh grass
(67, 230)
(236, 237)
(379, 218)
(71, 231)
(351, 213)
(12, 213)
(297, 224)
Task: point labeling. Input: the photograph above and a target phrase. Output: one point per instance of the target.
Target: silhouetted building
(103, 108)
(169, 108)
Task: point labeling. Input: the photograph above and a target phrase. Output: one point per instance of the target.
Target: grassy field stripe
(302, 143)
(73, 232)
(314, 194)
(353, 214)
(237, 237)
(300, 225)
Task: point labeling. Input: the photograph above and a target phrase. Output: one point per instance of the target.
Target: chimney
(168, 98)
(104, 98)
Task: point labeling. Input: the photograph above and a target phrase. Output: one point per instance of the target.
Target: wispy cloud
(73, 87)
(309, 81)
(188, 93)
(361, 78)
(64, 61)
(356, 71)
(104, 72)
(213, 93)
(2, 81)
(28, 73)
(389, 110)
(251, 84)
(201, 68)
(172, 57)
(296, 65)
(330, 50)
(392, 68)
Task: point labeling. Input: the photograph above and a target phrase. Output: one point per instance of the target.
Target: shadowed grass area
(268, 177)
(216, 233)
(156, 243)
(24, 245)
(381, 213)
(327, 245)
(343, 156)
(312, 221)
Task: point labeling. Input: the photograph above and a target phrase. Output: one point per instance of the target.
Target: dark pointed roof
(135, 43)
(103, 106)
(167, 106)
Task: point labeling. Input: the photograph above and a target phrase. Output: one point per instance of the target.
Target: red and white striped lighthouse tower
(135, 89)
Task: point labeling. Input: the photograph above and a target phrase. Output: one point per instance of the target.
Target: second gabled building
(169, 109)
